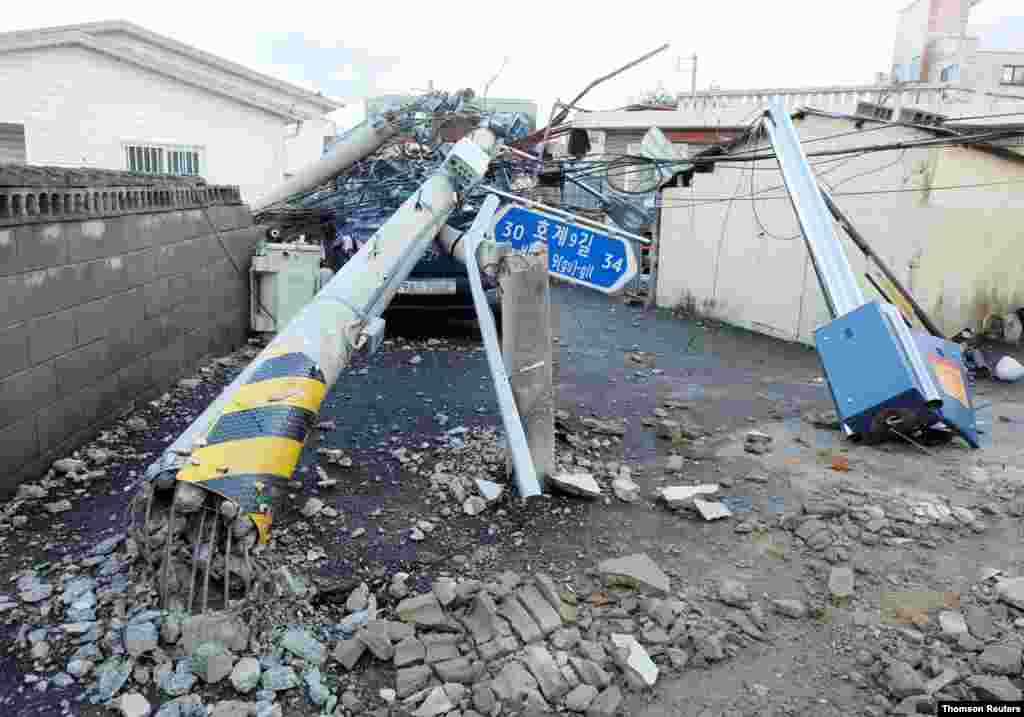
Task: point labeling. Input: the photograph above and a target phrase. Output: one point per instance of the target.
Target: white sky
(353, 49)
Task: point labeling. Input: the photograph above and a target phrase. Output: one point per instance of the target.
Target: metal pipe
(838, 282)
(863, 245)
(363, 141)
(318, 343)
(525, 474)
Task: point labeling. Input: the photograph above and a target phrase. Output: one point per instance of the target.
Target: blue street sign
(576, 252)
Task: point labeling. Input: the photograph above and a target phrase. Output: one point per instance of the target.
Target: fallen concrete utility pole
(524, 473)
(362, 142)
(236, 460)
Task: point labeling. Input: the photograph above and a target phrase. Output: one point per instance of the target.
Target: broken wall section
(109, 292)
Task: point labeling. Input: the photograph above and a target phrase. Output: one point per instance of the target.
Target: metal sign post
(576, 253)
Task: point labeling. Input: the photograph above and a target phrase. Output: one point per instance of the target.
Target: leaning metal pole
(243, 449)
(524, 474)
(838, 282)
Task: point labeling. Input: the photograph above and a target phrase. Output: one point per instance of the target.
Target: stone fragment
(544, 669)
(1001, 660)
(979, 622)
(679, 658)
(246, 675)
(231, 708)
(513, 682)
(548, 589)
(140, 638)
(902, 680)
(579, 699)
(460, 670)
(679, 496)
(582, 485)
(947, 677)
(590, 672)
(443, 648)
(994, 688)
(279, 678)
(626, 490)
(312, 508)
(224, 628)
(133, 705)
(378, 643)
(497, 648)
(408, 651)
(952, 624)
(444, 591)
(483, 699)
(212, 662)
(304, 646)
(733, 592)
(635, 571)
(474, 505)
(539, 608)
(437, 703)
(1011, 591)
(349, 651)
(422, 610)
(795, 609)
(483, 621)
(522, 624)
(489, 490)
(358, 598)
(410, 679)
(638, 667)
(606, 704)
(840, 581)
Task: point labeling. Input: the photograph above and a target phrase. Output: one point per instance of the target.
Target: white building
(114, 95)
(935, 42)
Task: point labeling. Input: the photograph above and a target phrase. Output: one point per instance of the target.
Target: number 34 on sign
(576, 253)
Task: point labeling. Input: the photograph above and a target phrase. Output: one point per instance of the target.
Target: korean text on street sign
(576, 253)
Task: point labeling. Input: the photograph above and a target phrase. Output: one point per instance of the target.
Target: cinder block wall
(109, 293)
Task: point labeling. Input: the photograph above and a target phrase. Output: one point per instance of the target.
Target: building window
(1013, 75)
(182, 161)
(950, 73)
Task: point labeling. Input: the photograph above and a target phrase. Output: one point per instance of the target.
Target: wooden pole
(526, 346)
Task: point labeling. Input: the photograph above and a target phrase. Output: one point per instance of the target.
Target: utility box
(282, 279)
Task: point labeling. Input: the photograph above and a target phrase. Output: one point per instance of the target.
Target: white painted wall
(79, 106)
(960, 251)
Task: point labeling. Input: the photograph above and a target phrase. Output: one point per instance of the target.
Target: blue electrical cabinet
(873, 380)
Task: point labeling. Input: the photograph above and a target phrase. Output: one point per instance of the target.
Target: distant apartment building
(936, 43)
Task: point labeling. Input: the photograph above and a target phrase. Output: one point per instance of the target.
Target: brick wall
(108, 294)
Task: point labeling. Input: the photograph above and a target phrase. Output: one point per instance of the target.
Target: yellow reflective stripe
(266, 454)
(305, 393)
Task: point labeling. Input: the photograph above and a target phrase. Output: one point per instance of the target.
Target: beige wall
(960, 250)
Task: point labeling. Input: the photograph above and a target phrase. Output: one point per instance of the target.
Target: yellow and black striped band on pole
(251, 450)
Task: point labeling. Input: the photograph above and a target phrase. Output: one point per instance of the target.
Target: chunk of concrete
(422, 610)
(638, 667)
(579, 699)
(678, 496)
(409, 651)
(606, 704)
(544, 669)
(224, 628)
(635, 570)
(410, 679)
(539, 608)
(437, 703)
(582, 485)
(1011, 591)
(522, 624)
